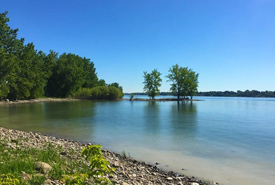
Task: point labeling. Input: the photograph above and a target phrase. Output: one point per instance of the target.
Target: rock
(128, 171)
(43, 167)
(47, 182)
(194, 183)
(25, 177)
(169, 178)
(116, 164)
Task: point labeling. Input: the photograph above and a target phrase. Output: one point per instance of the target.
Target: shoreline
(7, 102)
(128, 170)
(161, 99)
(39, 100)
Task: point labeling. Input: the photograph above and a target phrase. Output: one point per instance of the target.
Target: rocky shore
(7, 101)
(128, 171)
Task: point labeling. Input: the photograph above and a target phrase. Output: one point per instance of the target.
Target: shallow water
(228, 140)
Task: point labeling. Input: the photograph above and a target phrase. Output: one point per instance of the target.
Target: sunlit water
(228, 140)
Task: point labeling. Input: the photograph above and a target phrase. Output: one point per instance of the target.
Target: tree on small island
(132, 96)
(184, 81)
(152, 82)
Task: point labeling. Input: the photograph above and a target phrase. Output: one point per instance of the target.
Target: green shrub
(8, 179)
(99, 92)
(83, 93)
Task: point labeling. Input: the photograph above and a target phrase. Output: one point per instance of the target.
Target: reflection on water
(209, 139)
(184, 124)
(152, 112)
(63, 119)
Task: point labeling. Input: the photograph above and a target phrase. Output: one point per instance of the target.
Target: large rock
(47, 182)
(194, 183)
(25, 177)
(43, 167)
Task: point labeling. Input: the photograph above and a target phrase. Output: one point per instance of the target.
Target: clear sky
(230, 43)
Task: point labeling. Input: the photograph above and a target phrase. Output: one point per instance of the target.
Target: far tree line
(246, 93)
(184, 82)
(26, 73)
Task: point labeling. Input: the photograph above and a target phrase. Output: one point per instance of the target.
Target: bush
(100, 92)
(114, 92)
(83, 93)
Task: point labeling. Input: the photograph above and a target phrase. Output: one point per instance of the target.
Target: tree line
(246, 93)
(26, 73)
(184, 82)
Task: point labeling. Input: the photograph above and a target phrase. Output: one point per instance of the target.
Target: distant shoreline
(160, 99)
(247, 93)
(7, 102)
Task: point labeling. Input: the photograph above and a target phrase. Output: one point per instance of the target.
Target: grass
(208, 182)
(124, 155)
(15, 161)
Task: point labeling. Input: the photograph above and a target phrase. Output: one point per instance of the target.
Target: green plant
(132, 96)
(99, 166)
(8, 179)
(124, 155)
(76, 178)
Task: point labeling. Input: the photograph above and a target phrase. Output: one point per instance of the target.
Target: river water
(227, 140)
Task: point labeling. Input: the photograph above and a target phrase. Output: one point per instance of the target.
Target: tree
(69, 75)
(101, 82)
(192, 83)
(184, 81)
(8, 60)
(152, 82)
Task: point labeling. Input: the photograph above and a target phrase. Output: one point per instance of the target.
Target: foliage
(76, 178)
(132, 96)
(184, 81)
(124, 155)
(21, 66)
(70, 74)
(14, 161)
(8, 179)
(98, 164)
(26, 73)
(246, 93)
(100, 92)
(152, 82)
(83, 93)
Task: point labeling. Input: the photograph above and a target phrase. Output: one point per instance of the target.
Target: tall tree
(192, 83)
(8, 60)
(152, 82)
(71, 73)
(184, 81)
(90, 76)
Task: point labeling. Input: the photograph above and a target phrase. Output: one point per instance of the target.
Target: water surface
(229, 140)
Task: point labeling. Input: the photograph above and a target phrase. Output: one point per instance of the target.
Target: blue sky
(230, 43)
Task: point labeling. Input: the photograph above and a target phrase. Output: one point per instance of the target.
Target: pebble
(128, 171)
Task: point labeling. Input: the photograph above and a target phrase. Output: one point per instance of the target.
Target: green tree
(21, 73)
(90, 76)
(152, 82)
(9, 45)
(192, 83)
(71, 73)
(101, 82)
(184, 81)
(115, 84)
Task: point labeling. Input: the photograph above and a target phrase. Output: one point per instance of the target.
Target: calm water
(228, 140)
